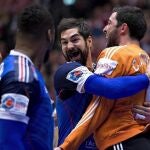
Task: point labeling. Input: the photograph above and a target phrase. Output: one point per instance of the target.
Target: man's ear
(89, 62)
(89, 42)
(124, 29)
(51, 37)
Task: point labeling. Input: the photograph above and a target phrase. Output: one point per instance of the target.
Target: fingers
(139, 108)
(147, 104)
(142, 110)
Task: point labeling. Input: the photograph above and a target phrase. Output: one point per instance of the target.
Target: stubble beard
(113, 39)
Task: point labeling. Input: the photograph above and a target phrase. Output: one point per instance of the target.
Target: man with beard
(25, 112)
(76, 42)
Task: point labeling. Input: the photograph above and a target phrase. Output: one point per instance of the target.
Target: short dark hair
(35, 21)
(69, 23)
(134, 18)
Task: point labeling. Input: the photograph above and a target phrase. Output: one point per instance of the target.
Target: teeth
(73, 54)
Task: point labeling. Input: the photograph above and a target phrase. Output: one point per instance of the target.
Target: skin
(112, 31)
(117, 35)
(36, 50)
(76, 48)
(143, 110)
(71, 41)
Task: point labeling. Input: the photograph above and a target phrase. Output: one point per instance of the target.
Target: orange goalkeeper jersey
(112, 121)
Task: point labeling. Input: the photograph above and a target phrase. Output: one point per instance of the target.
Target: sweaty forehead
(70, 33)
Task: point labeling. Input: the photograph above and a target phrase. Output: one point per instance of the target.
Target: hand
(143, 110)
(57, 148)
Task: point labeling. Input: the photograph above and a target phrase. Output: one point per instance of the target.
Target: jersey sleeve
(14, 95)
(16, 81)
(69, 78)
(72, 77)
(114, 88)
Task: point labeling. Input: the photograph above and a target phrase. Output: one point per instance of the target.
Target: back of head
(134, 18)
(34, 22)
(69, 23)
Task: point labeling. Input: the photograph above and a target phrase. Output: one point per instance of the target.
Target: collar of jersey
(16, 53)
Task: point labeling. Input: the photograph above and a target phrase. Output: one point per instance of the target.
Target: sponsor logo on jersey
(8, 102)
(144, 59)
(135, 65)
(79, 76)
(76, 75)
(14, 103)
(105, 66)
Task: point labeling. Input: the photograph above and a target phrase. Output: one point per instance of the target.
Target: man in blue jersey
(25, 111)
(76, 42)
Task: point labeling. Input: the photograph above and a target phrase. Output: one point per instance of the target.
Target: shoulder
(109, 52)
(68, 66)
(61, 83)
(121, 52)
(64, 69)
(18, 68)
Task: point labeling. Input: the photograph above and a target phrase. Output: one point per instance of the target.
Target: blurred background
(95, 12)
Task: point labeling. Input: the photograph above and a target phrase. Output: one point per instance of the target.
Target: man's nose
(70, 45)
(104, 30)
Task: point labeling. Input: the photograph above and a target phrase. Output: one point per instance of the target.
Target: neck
(31, 50)
(127, 40)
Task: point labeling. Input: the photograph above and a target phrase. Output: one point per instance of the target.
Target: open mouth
(74, 55)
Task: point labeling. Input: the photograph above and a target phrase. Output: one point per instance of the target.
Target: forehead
(113, 16)
(69, 33)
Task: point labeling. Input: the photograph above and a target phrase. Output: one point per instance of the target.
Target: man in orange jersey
(113, 122)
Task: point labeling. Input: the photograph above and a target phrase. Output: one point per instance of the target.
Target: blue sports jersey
(71, 104)
(25, 112)
(69, 112)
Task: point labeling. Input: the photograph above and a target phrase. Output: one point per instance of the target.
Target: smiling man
(76, 41)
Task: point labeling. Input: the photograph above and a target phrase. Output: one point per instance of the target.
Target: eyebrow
(75, 35)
